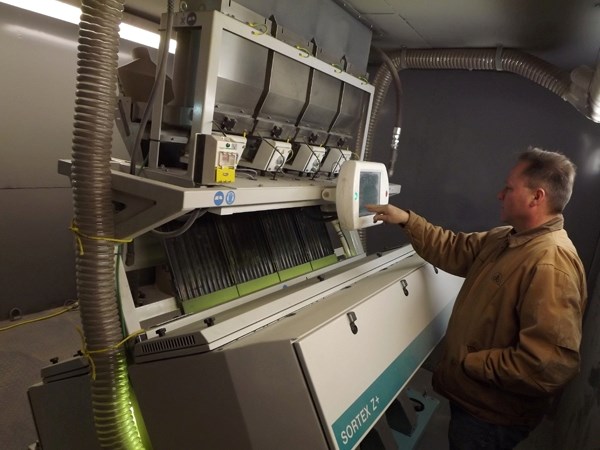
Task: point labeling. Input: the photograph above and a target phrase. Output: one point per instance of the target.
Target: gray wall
(37, 94)
(460, 136)
(461, 133)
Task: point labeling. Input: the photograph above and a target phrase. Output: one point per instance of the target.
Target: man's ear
(539, 196)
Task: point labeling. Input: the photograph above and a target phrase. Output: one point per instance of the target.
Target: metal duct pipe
(398, 124)
(528, 66)
(93, 218)
(594, 95)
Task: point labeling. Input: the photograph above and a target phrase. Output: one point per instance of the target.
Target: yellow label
(224, 175)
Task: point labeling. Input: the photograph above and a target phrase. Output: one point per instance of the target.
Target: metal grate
(218, 252)
(165, 344)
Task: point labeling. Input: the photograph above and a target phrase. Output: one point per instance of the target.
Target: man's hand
(388, 214)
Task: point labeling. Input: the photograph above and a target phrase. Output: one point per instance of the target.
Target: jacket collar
(516, 239)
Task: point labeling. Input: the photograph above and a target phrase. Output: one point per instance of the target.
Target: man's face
(516, 198)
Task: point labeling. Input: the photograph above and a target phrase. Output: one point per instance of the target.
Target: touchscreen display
(369, 184)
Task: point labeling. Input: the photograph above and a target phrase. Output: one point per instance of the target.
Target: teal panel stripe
(353, 424)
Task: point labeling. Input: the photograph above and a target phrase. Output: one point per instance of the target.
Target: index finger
(375, 208)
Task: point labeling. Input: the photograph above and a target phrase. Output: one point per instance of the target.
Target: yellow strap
(75, 229)
(88, 353)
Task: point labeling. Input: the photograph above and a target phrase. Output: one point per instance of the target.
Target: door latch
(404, 285)
(352, 318)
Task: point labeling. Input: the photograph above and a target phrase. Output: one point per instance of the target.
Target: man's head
(537, 188)
(551, 171)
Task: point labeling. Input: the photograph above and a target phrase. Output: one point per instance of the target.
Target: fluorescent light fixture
(70, 13)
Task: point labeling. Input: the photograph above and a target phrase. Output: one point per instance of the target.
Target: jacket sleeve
(546, 356)
(452, 252)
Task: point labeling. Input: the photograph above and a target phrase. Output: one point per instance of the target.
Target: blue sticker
(219, 197)
(230, 198)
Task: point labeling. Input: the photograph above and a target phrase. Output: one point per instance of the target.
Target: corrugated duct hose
(94, 218)
(508, 60)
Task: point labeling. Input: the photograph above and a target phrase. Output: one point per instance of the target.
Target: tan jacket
(513, 337)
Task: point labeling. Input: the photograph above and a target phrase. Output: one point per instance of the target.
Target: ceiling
(563, 32)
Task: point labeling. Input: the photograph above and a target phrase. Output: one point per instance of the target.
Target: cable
(39, 319)
(246, 174)
(252, 172)
(186, 226)
(342, 237)
(220, 128)
(162, 69)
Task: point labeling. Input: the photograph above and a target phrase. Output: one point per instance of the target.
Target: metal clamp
(305, 53)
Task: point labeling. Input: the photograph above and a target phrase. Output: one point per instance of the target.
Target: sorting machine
(262, 322)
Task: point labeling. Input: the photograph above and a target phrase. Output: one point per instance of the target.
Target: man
(512, 341)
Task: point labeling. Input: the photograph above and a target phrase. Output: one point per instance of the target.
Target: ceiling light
(71, 14)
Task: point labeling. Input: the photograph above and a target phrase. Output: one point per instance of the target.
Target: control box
(306, 158)
(268, 155)
(334, 159)
(220, 155)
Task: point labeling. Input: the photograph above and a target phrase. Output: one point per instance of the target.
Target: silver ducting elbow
(396, 137)
(395, 146)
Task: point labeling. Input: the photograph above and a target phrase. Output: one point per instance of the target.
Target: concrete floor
(24, 350)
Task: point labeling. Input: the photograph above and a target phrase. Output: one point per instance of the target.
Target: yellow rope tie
(75, 229)
(88, 353)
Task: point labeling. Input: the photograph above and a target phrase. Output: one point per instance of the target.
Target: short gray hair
(552, 171)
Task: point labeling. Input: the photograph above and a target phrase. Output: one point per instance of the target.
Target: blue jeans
(469, 433)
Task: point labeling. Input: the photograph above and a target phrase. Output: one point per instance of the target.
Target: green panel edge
(324, 262)
(260, 283)
(293, 272)
(197, 304)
